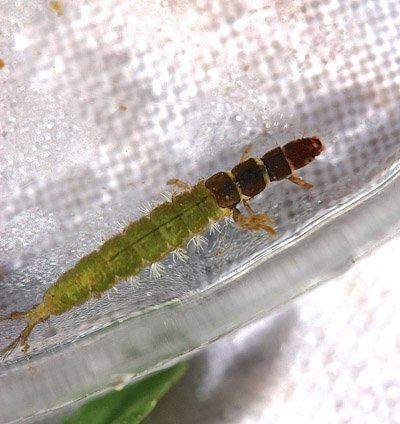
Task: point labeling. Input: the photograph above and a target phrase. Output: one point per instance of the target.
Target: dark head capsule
(302, 151)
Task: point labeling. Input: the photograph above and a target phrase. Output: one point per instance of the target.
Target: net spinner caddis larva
(168, 227)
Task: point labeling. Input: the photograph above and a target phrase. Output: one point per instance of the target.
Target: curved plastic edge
(140, 345)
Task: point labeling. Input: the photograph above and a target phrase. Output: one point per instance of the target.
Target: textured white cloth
(102, 104)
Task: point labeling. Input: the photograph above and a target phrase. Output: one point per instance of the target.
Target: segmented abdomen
(143, 242)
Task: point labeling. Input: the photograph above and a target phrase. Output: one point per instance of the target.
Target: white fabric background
(102, 105)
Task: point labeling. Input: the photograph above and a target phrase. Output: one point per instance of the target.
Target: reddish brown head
(302, 151)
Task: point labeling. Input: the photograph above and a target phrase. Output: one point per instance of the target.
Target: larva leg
(14, 315)
(250, 211)
(299, 181)
(20, 340)
(245, 154)
(179, 183)
(254, 221)
(33, 319)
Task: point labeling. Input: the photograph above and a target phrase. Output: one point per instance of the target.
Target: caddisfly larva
(168, 227)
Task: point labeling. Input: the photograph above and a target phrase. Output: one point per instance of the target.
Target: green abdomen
(143, 242)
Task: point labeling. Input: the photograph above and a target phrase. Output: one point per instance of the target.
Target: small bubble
(238, 118)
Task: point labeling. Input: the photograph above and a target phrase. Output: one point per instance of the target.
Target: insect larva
(168, 227)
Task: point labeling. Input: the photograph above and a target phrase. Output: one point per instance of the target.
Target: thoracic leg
(299, 181)
(245, 154)
(179, 183)
(254, 221)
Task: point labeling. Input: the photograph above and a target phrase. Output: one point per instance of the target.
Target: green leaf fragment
(131, 404)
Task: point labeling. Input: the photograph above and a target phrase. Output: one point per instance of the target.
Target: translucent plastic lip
(141, 344)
